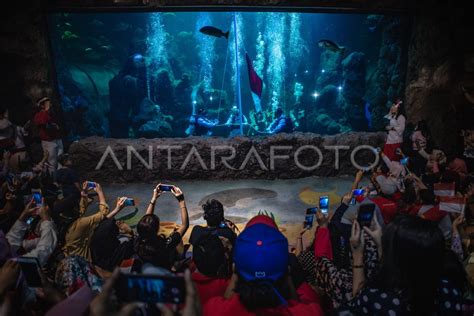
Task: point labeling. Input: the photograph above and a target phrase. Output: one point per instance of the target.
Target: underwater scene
(176, 74)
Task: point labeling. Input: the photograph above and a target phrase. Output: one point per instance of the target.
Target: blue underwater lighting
(315, 94)
(323, 71)
(339, 88)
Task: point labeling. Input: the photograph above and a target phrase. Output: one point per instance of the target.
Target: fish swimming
(214, 31)
(330, 45)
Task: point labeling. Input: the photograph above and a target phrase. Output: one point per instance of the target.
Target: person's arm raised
(184, 211)
(156, 194)
(118, 207)
(357, 179)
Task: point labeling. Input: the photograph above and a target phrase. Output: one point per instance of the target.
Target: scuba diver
(281, 123)
(200, 125)
(234, 120)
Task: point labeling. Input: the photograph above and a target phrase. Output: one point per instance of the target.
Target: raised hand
(375, 231)
(177, 193)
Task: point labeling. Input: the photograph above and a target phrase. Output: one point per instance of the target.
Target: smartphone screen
(355, 193)
(308, 221)
(165, 187)
(37, 197)
(151, 288)
(91, 185)
(311, 210)
(365, 214)
(129, 202)
(29, 267)
(324, 203)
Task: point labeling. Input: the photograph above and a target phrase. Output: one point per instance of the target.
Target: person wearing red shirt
(49, 133)
(262, 283)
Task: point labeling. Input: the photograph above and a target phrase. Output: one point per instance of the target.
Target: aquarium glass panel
(176, 74)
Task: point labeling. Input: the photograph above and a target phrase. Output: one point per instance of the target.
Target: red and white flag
(444, 189)
(256, 84)
(127, 265)
(452, 204)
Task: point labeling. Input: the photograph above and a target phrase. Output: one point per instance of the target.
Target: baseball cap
(261, 219)
(261, 252)
(41, 100)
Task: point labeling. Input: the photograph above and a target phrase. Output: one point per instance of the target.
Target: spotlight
(210, 98)
(194, 102)
(306, 71)
(315, 95)
(339, 88)
(323, 70)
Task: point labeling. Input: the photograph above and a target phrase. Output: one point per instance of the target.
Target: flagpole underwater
(237, 74)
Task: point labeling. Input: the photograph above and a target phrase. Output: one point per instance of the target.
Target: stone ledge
(87, 154)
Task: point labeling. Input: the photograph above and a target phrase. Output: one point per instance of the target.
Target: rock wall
(440, 63)
(193, 158)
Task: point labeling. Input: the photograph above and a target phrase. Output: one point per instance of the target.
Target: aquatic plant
(206, 50)
(275, 37)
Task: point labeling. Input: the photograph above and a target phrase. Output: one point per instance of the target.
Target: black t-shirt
(66, 177)
(160, 252)
(199, 231)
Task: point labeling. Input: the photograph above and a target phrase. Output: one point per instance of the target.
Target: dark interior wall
(440, 54)
(440, 62)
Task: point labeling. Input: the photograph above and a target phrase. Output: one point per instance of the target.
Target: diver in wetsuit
(234, 120)
(200, 125)
(281, 124)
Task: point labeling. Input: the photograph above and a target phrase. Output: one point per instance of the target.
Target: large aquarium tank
(176, 74)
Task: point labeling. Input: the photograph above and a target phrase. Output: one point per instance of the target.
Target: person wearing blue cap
(261, 283)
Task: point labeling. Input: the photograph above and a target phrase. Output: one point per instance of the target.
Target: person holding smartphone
(112, 241)
(160, 250)
(79, 234)
(216, 223)
(41, 247)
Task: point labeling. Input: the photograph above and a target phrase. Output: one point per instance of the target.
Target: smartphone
(311, 210)
(365, 214)
(30, 269)
(355, 193)
(165, 187)
(324, 204)
(150, 288)
(37, 197)
(129, 202)
(308, 221)
(30, 220)
(91, 185)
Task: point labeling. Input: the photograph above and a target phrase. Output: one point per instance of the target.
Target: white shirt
(395, 133)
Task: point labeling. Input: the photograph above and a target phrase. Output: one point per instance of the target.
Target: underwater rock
(387, 81)
(87, 153)
(163, 91)
(327, 100)
(329, 69)
(353, 91)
